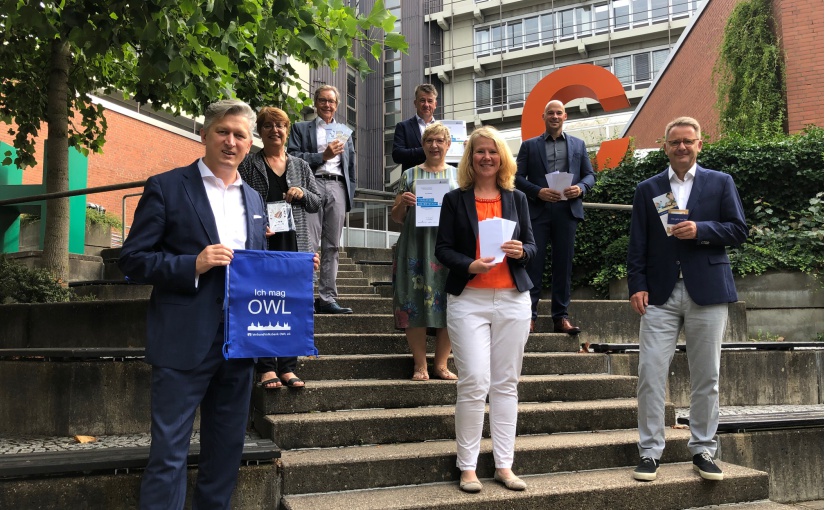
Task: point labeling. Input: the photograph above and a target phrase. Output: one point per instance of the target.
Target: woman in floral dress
(419, 301)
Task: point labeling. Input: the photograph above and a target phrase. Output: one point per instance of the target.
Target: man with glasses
(319, 143)
(406, 144)
(679, 277)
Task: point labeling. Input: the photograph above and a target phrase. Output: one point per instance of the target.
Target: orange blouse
(499, 277)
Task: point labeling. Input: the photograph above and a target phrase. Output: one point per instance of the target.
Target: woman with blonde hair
(488, 303)
(419, 301)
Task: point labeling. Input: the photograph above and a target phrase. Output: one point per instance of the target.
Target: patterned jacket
(298, 174)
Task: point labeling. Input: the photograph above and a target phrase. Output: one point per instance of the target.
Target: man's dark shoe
(563, 325)
(333, 308)
(703, 464)
(532, 325)
(646, 470)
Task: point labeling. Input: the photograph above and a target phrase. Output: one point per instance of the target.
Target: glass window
(659, 58)
(621, 14)
(530, 81)
(680, 8)
(601, 18)
(496, 38)
(483, 41)
(568, 24)
(641, 67)
(392, 67)
(483, 94)
(531, 31)
(583, 18)
(392, 106)
(548, 28)
(640, 12)
(392, 119)
(391, 93)
(622, 69)
(499, 91)
(515, 35)
(658, 10)
(515, 90)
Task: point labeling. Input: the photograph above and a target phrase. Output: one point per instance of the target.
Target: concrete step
(756, 505)
(370, 467)
(354, 290)
(382, 426)
(355, 281)
(400, 366)
(344, 342)
(338, 395)
(677, 487)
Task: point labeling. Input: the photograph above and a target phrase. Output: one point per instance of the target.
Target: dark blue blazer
(455, 245)
(532, 168)
(303, 143)
(654, 259)
(407, 148)
(173, 223)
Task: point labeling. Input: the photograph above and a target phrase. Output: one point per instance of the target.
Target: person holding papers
(682, 281)
(419, 301)
(327, 146)
(488, 304)
(554, 172)
(287, 185)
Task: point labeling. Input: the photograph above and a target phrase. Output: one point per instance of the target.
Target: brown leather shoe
(563, 325)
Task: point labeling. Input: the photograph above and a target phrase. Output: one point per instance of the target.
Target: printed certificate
(429, 195)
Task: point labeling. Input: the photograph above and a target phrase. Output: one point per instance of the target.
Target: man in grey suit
(333, 163)
(554, 214)
(682, 281)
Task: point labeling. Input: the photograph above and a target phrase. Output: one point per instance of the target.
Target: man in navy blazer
(186, 226)
(333, 163)
(554, 214)
(407, 150)
(682, 281)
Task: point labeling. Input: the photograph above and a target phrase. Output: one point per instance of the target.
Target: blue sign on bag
(269, 305)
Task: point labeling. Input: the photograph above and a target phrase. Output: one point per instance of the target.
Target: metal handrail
(72, 193)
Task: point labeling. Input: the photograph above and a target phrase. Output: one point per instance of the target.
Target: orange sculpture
(574, 82)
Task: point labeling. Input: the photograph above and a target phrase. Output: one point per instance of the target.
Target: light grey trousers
(658, 332)
(325, 229)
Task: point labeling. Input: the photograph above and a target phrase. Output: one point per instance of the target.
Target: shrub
(19, 284)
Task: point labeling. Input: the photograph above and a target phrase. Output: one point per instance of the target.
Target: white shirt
(423, 125)
(681, 189)
(227, 206)
(333, 166)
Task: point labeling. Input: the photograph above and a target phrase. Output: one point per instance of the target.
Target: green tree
(179, 55)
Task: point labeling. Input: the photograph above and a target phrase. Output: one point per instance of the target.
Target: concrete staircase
(361, 435)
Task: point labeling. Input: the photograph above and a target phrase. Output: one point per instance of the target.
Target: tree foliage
(179, 55)
(750, 73)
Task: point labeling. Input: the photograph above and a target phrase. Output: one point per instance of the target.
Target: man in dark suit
(333, 163)
(407, 150)
(682, 281)
(186, 226)
(554, 214)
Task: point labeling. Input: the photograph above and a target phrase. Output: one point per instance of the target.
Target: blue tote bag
(269, 305)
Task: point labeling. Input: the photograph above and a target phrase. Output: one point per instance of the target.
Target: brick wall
(687, 87)
(133, 151)
(799, 28)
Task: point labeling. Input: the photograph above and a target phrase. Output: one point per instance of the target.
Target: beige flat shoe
(514, 484)
(471, 487)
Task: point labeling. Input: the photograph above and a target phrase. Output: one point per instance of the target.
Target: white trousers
(488, 329)
(658, 333)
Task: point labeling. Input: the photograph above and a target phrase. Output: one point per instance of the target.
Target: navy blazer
(455, 245)
(303, 143)
(654, 258)
(173, 223)
(407, 146)
(532, 167)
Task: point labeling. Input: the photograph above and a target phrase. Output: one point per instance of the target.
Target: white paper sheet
(280, 216)
(458, 135)
(492, 233)
(429, 195)
(558, 181)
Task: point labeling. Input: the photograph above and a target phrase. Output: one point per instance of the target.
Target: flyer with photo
(429, 195)
(280, 216)
(665, 203)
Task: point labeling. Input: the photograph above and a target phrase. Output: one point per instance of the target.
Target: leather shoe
(514, 484)
(532, 325)
(471, 487)
(563, 325)
(333, 308)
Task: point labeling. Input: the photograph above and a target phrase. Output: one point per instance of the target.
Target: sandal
(293, 382)
(264, 383)
(445, 374)
(420, 374)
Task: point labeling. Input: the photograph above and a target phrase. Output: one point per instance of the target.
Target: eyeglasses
(270, 126)
(687, 141)
(323, 100)
(435, 141)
